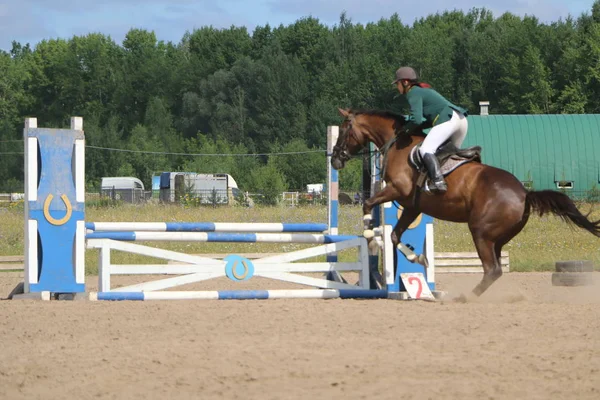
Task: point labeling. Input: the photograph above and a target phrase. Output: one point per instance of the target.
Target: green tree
(208, 50)
(262, 38)
(279, 108)
(145, 73)
(351, 176)
(299, 165)
(591, 49)
(537, 96)
(13, 78)
(99, 161)
(143, 158)
(49, 71)
(218, 157)
(572, 100)
(304, 40)
(269, 182)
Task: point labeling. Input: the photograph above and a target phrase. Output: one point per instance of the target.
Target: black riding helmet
(406, 73)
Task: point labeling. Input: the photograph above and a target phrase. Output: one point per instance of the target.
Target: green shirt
(428, 108)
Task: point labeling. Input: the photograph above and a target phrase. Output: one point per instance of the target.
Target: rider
(429, 109)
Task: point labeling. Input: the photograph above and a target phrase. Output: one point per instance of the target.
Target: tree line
(256, 105)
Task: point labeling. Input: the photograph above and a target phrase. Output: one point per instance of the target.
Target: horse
(493, 202)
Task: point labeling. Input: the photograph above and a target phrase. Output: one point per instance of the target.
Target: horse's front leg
(407, 218)
(388, 193)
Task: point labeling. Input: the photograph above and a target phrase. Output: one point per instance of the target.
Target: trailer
(125, 188)
(207, 188)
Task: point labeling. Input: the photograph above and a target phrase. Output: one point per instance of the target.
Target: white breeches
(455, 130)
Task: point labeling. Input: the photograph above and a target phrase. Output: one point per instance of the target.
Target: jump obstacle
(56, 236)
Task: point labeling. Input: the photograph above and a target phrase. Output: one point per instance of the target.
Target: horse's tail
(550, 201)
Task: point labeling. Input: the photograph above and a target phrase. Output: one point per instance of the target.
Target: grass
(543, 241)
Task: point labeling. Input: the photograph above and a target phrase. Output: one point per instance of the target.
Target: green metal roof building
(543, 151)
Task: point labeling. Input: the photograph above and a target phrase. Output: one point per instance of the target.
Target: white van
(126, 188)
(315, 188)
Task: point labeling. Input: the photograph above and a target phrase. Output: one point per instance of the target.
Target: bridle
(341, 151)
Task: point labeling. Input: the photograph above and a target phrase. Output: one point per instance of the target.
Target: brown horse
(493, 202)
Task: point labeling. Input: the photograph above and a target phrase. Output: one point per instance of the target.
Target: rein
(384, 150)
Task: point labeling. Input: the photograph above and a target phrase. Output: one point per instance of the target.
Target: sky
(30, 21)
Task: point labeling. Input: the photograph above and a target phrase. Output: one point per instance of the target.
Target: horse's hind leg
(406, 218)
(492, 270)
(409, 214)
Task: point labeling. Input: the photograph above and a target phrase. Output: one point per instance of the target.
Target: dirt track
(525, 339)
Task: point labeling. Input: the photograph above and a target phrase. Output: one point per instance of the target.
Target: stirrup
(439, 186)
(431, 188)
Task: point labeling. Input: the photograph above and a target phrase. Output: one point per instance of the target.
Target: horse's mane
(379, 113)
(400, 119)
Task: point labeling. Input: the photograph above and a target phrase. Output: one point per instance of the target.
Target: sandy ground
(524, 339)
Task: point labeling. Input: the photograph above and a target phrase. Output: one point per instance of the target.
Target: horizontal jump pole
(204, 227)
(221, 237)
(243, 295)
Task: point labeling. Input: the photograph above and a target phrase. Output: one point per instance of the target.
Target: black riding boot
(433, 169)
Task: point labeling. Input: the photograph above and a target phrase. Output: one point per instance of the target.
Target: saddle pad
(452, 163)
(449, 165)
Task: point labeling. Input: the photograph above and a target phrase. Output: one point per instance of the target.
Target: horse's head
(351, 140)
(361, 127)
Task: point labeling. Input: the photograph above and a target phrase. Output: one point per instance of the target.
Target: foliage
(593, 195)
(226, 91)
(103, 202)
(271, 181)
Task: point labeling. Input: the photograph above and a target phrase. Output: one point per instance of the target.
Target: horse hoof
(423, 260)
(461, 299)
(469, 298)
(368, 234)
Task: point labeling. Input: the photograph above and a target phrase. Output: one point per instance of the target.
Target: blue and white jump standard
(54, 210)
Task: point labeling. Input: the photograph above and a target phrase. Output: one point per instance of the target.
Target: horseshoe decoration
(49, 217)
(238, 268)
(242, 276)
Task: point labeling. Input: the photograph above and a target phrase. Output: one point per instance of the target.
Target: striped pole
(373, 169)
(204, 227)
(333, 182)
(222, 237)
(332, 197)
(242, 295)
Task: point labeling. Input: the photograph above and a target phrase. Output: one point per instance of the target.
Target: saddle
(449, 156)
